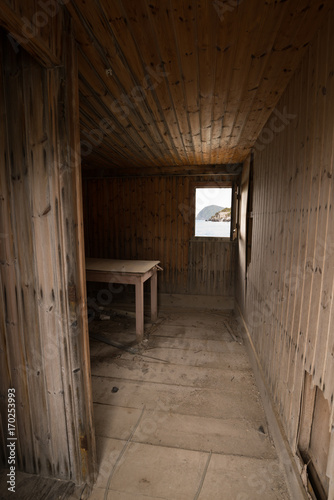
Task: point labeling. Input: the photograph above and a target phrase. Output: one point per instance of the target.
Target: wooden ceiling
(175, 83)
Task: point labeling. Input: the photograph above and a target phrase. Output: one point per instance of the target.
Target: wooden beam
(23, 32)
(230, 169)
(67, 159)
(44, 343)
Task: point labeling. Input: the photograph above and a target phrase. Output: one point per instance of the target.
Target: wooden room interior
(113, 113)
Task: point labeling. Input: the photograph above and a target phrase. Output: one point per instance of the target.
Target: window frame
(216, 184)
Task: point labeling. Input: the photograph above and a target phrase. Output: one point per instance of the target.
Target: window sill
(223, 239)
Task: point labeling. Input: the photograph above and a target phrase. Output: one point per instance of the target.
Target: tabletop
(121, 266)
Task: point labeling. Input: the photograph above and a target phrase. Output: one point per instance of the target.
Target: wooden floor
(181, 417)
(177, 418)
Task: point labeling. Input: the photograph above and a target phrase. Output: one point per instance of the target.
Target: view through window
(213, 212)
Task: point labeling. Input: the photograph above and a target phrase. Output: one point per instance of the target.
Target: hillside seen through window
(213, 212)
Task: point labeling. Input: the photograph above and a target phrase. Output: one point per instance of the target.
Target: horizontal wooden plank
(230, 170)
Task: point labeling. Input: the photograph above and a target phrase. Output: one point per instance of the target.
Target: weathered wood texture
(240, 271)
(211, 267)
(153, 218)
(36, 26)
(192, 82)
(229, 170)
(289, 300)
(44, 335)
(171, 82)
(32, 487)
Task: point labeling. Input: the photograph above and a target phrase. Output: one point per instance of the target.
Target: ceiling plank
(185, 28)
(207, 71)
(138, 17)
(298, 29)
(192, 83)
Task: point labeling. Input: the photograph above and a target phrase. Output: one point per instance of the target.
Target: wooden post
(154, 298)
(44, 350)
(139, 310)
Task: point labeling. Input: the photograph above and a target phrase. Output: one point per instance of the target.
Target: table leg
(154, 299)
(139, 311)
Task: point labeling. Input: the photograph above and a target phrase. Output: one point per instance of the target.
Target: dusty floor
(180, 418)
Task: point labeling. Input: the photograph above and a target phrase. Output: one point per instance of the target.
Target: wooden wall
(34, 26)
(240, 272)
(288, 302)
(44, 347)
(153, 218)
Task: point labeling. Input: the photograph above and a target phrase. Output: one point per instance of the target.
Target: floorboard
(180, 416)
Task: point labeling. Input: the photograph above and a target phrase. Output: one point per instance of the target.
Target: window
(213, 211)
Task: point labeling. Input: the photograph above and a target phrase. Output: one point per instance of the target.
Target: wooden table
(133, 272)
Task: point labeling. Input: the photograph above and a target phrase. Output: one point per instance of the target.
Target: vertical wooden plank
(117, 211)
(174, 229)
(127, 219)
(162, 231)
(77, 387)
(133, 213)
(286, 273)
(139, 310)
(95, 226)
(21, 290)
(140, 218)
(180, 237)
(290, 286)
(87, 218)
(314, 278)
(150, 219)
(305, 171)
(42, 267)
(168, 232)
(6, 262)
(312, 183)
(110, 219)
(154, 301)
(156, 221)
(43, 207)
(188, 221)
(323, 260)
(299, 94)
(105, 218)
